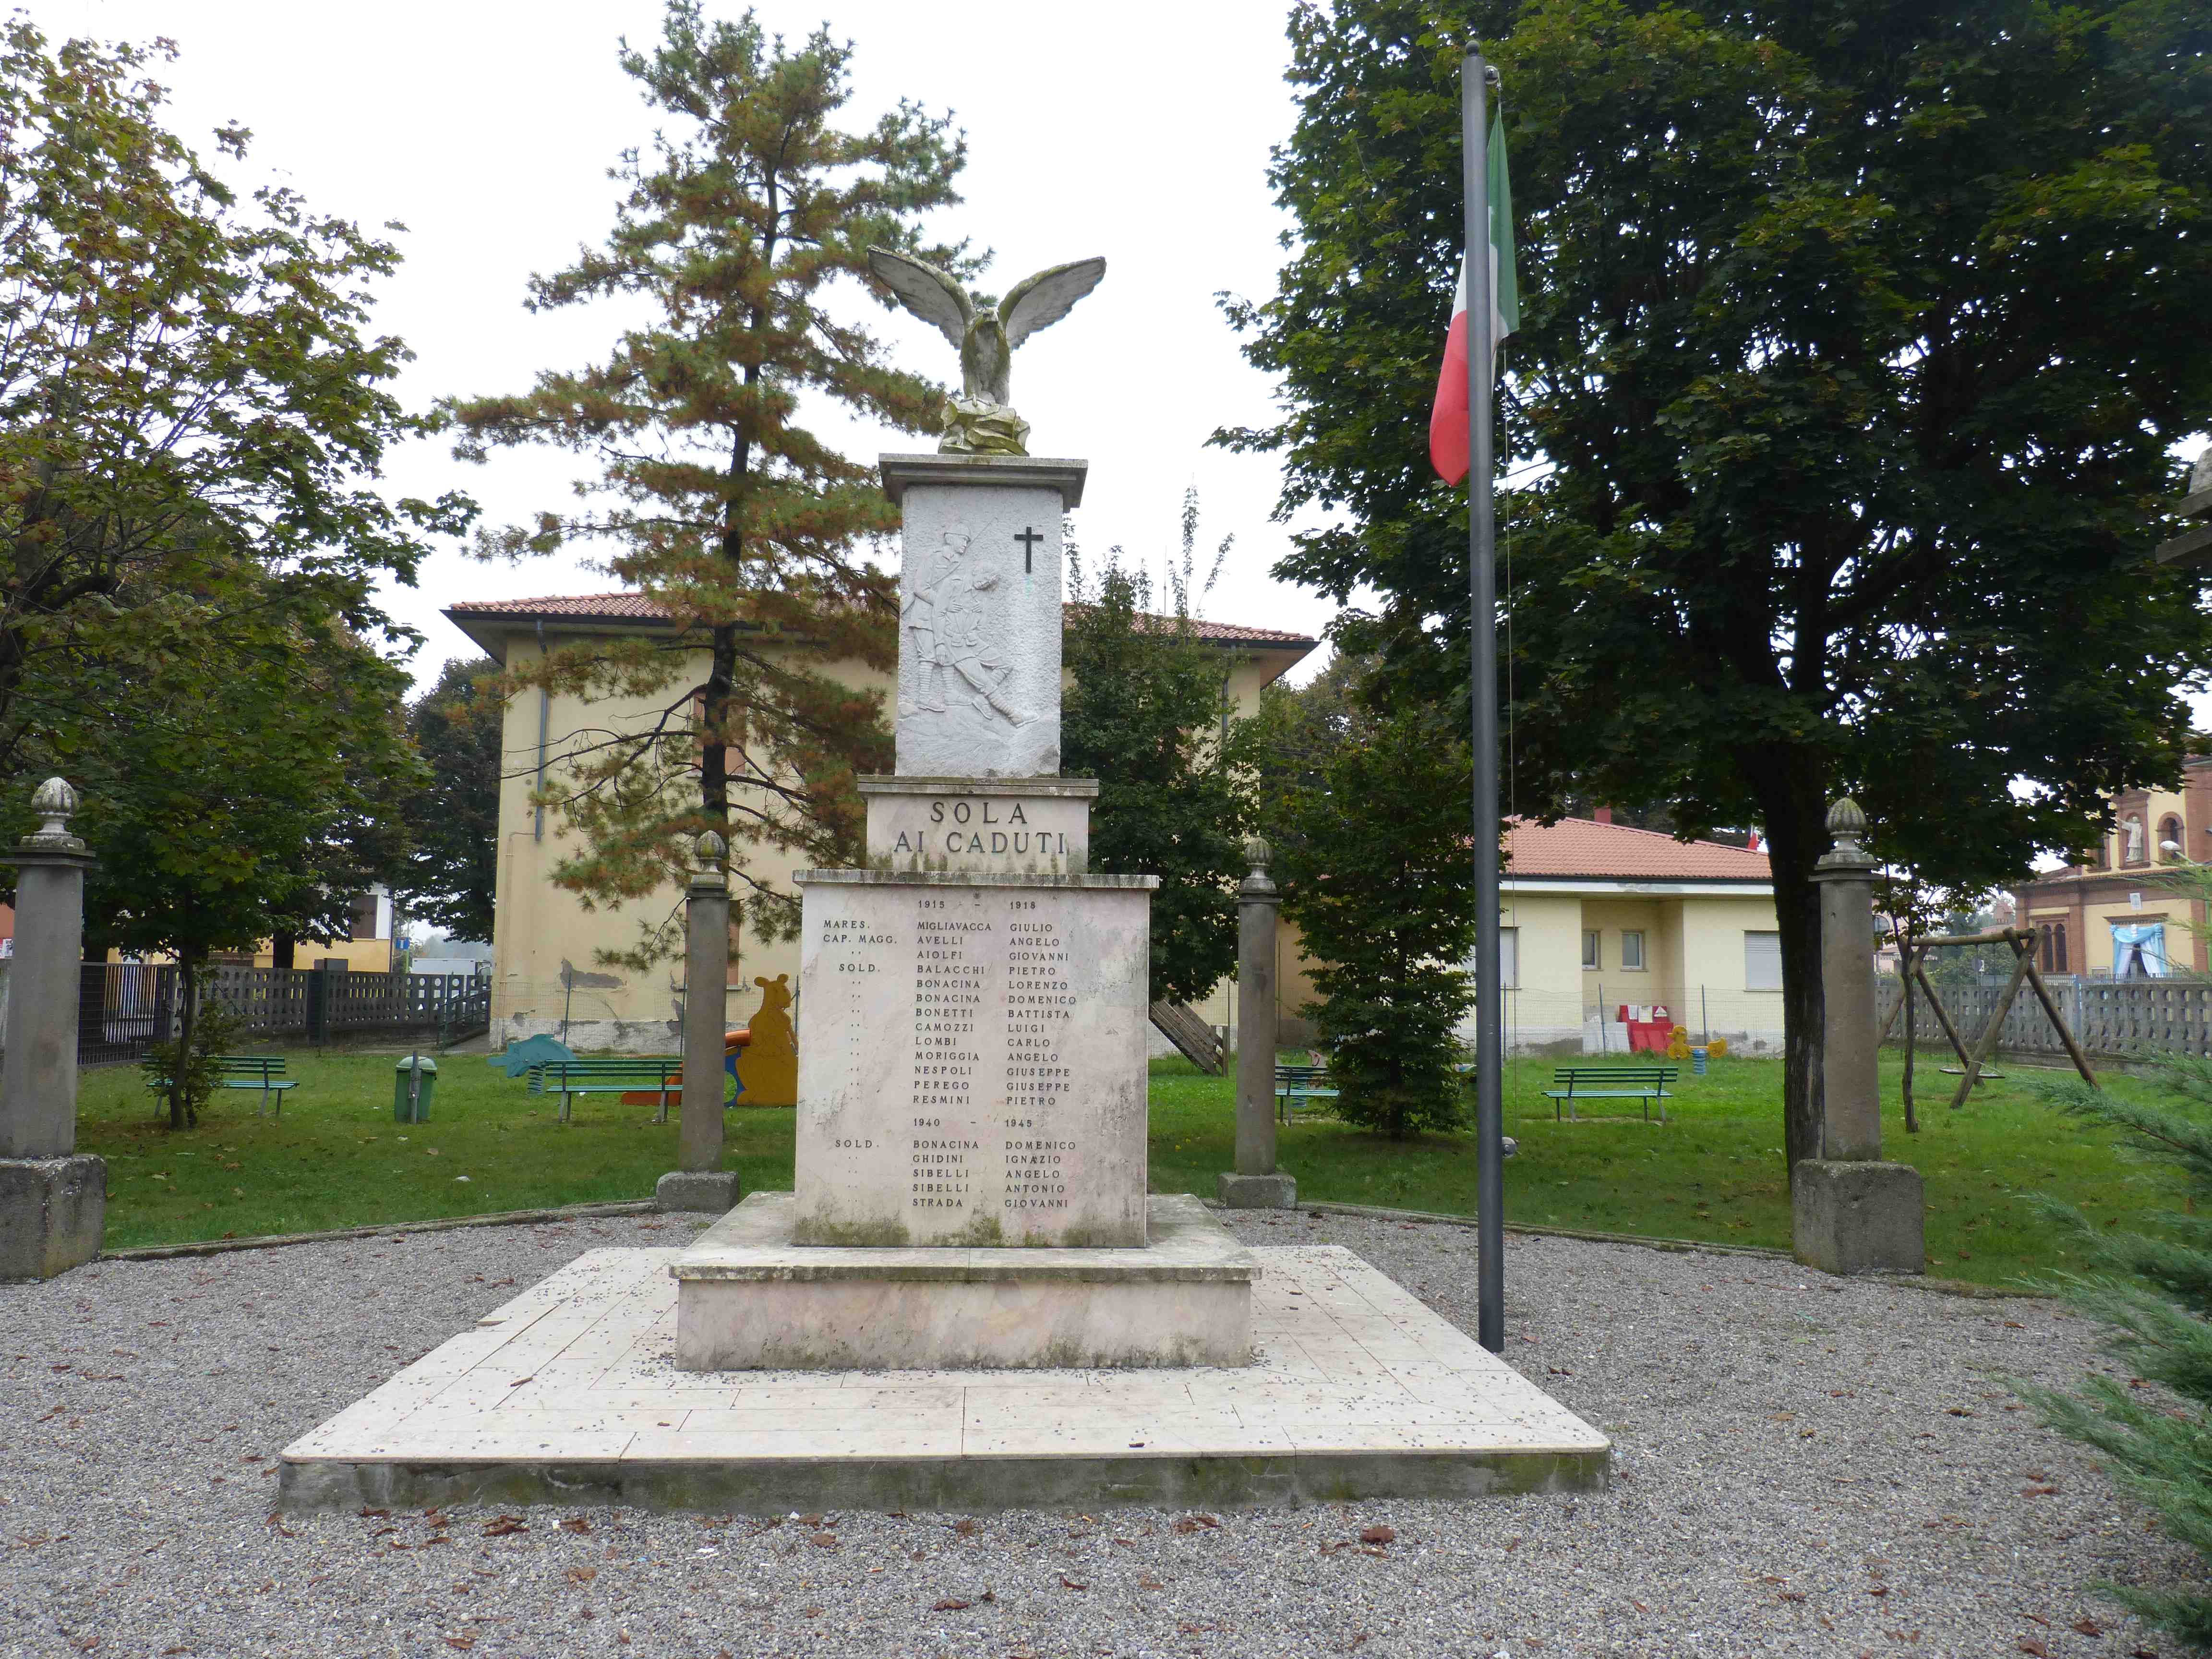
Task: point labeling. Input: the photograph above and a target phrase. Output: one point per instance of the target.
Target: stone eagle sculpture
(981, 420)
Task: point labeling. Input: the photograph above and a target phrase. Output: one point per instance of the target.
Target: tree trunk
(1796, 833)
(713, 758)
(181, 1106)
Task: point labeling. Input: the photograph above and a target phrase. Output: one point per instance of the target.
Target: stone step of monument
(751, 1299)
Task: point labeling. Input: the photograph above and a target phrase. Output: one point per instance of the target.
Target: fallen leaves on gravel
(2088, 1626)
(575, 1523)
(2034, 1645)
(2038, 1492)
(1378, 1534)
(1193, 1523)
(583, 1575)
(824, 1541)
(505, 1525)
(951, 1604)
(1065, 1583)
(464, 1643)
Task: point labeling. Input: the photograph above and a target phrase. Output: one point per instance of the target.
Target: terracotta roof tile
(637, 608)
(1613, 852)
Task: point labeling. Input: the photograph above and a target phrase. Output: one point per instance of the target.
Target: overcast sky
(1138, 131)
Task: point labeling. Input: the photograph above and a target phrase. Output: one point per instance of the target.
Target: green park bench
(262, 1071)
(1294, 1084)
(1644, 1083)
(620, 1075)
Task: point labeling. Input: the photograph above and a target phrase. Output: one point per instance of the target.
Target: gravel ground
(1804, 1467)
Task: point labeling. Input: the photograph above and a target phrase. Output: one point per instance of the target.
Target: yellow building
(1599, 917)
(547, 974)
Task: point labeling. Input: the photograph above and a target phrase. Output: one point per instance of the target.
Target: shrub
(214, 1028)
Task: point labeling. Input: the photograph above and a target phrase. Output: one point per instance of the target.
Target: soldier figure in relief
(945, 616)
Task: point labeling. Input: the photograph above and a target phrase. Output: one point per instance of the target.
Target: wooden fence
(2121, 1017)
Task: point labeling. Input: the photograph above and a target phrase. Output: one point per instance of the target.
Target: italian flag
(1447, 418)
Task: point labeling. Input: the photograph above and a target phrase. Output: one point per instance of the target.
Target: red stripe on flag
(1448, 417)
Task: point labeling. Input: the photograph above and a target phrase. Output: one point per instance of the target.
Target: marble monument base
(567, 1395)
(750, 1299)
(53, 1214)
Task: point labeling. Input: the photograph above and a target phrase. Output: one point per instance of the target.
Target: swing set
(1912, 969)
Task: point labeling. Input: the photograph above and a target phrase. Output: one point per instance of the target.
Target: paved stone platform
(749, 1299)
(570, 1394)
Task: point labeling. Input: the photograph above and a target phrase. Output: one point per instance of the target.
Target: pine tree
(1373, 859)
(2154, 1289)
(714, 500)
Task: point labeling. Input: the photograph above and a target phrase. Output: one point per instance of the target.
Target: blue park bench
(262, 1071)
(1644, 1083)
(1295, 1084)
(621, 1074)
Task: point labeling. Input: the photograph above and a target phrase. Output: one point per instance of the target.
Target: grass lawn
(1715, 1172)
(335, 1157)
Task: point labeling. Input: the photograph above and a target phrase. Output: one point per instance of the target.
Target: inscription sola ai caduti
(959, 828)
(1012, 832)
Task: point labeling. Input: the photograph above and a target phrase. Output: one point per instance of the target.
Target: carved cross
(1029, 538)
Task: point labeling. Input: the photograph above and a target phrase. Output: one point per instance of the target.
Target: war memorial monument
(970, 1299)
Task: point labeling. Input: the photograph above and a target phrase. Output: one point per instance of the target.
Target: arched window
(2054, 947)
(2172, 849)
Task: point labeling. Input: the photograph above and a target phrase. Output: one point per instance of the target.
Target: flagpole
(1482, 630)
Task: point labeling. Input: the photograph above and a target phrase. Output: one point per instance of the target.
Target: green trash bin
(403, 1084)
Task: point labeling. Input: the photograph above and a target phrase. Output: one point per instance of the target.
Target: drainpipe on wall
(544, 715)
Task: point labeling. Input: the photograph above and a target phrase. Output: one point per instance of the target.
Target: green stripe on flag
(1508, 295)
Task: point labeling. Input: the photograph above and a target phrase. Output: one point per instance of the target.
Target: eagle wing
(1047, 297)
(924, 291)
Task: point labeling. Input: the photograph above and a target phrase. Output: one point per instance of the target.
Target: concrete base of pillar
(1852, 1218)
(713, 1191)
(53, 1214)
(1266, 1192)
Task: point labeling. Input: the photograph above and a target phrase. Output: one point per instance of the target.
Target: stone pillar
(1256, 1184)
(53, 1203)
(1852, 1212)
(699, 1182)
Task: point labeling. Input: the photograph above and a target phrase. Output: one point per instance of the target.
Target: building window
(1762, 962)
(1508, 959)
(2054, 947)
(1589, 949)
(2139, 950)
(2172, 849)
(364, 917)
(1632, 949)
